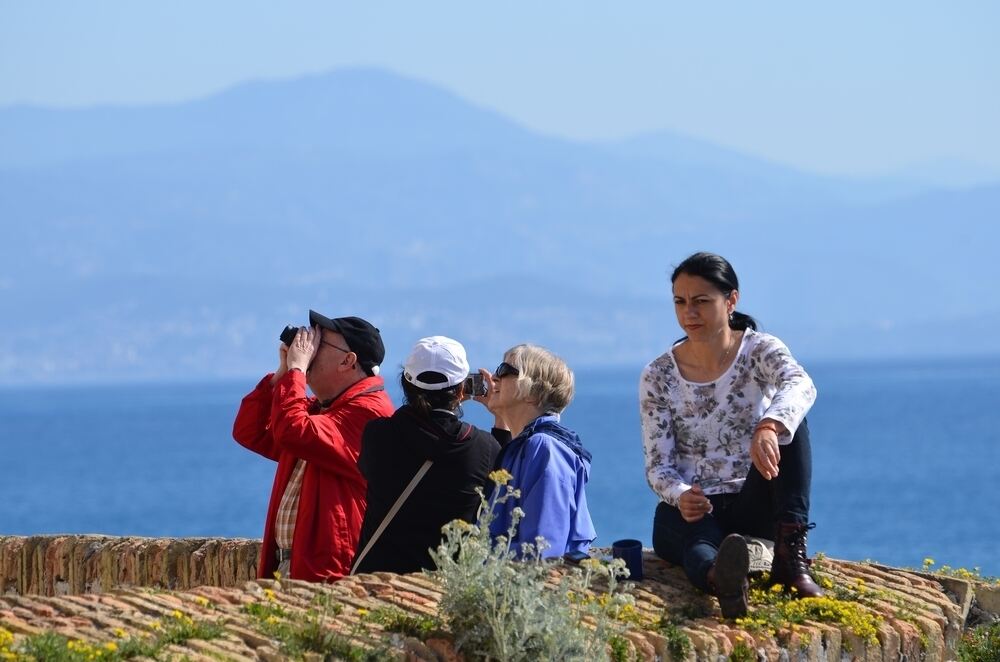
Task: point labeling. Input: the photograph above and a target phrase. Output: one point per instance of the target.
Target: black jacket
(392, 450)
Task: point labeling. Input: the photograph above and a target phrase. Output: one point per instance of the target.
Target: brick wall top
(95, 588)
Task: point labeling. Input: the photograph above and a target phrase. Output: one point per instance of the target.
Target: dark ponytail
(423, 401)
(742, 322)
(717, 271)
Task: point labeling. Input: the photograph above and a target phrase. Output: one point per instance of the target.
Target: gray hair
(542, 376)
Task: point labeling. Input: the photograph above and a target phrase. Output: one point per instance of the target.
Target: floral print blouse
(702, 431)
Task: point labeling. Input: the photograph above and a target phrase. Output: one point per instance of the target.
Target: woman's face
(504, 386)
(702, 310)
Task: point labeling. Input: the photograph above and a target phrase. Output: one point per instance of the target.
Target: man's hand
(302, 350)
(694, 505)
(282, 363)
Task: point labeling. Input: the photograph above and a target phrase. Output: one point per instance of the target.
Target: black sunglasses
(505, 369)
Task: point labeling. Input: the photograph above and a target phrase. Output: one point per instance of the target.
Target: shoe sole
(731, 567)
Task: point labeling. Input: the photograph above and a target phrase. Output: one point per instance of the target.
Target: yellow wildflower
(120, 633)
(111, 646)
(202, 601)
(362, 611)
(156, 625)
(501, 476)
(269, 594)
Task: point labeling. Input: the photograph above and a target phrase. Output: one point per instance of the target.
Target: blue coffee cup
(629, 551)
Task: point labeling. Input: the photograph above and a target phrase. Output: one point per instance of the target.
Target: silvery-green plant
(505, 604)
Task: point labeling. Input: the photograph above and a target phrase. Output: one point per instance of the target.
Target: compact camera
(475, 386)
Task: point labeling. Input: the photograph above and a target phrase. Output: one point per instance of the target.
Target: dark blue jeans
(753, 511)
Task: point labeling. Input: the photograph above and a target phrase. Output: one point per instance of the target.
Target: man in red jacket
(318, 497)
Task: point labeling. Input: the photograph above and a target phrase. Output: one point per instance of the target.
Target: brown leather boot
(727, 579)
(791, 565)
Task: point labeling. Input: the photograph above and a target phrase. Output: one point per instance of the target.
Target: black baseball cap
(362, 338)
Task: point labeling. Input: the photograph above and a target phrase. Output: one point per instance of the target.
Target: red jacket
(283, 424)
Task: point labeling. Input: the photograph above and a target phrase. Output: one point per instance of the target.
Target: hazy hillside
(176, 241)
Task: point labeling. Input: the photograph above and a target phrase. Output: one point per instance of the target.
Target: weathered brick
(84, 570)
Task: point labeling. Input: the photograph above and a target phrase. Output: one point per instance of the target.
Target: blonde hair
(542, 376)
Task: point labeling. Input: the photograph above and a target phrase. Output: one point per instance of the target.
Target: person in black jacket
(393, 450)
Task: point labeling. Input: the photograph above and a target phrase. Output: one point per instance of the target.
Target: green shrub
(307, 632)
(772, 609)
(742, 653)
(981, 644)
(393, 619)
(678, 643)
(507, 605)
(619, 648)
(50, 646)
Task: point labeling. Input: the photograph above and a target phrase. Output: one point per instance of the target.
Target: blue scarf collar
(550, 425)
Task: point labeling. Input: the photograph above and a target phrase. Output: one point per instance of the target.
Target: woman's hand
(764, 449)
(488, 382)
(694, 505)
(490, 397)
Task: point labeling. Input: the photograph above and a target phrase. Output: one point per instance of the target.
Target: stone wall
(136, 585)
(71, 565)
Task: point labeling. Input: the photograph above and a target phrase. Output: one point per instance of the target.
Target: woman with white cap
(422, 464)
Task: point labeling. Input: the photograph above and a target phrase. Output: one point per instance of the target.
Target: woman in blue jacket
(548, 462)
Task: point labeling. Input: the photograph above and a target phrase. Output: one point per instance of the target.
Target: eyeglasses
(323, 342)
(505, 369)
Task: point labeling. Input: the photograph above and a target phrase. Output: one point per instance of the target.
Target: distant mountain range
(174, 242)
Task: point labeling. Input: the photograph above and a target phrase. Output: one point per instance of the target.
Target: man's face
(330, 366)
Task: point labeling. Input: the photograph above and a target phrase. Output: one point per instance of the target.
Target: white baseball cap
(437, 354)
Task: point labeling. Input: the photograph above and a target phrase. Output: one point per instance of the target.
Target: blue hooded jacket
(550, 467)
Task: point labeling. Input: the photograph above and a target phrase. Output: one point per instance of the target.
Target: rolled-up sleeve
(794, 392)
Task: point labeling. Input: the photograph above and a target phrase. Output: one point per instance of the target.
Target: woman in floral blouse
(726, 443)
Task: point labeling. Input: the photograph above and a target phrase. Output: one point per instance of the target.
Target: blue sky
(850, 87)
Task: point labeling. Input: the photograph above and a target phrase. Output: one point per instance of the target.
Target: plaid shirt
(284, 521)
